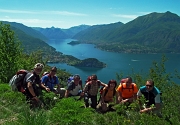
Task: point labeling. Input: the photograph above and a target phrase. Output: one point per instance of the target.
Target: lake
(116, 62)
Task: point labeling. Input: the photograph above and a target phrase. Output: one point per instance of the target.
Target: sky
(68, 13)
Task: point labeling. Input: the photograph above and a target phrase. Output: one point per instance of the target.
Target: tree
(10, 53)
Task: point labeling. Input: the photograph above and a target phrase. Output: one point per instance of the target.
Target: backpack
(16, 82)
(69, 80)
(132, 87)
(45, 73)
(122, 81)
(88, 79)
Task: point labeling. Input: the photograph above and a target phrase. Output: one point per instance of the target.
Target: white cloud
(125, 16)
(66, 13)
(16, 11)
(115, 8)
(32, 21)
(144, 13)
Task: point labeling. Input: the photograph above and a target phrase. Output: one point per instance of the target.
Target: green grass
(68, 111)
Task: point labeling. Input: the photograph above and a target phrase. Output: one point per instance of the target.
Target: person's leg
(70, 95)
(93, 101)
(86, 100)
(33, 103)
(80, 94)
(61, 91)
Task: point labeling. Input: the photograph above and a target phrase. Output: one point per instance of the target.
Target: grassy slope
(67, 111)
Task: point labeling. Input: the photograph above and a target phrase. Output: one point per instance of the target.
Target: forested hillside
(99, 33)
(154, 32)
(27, 30)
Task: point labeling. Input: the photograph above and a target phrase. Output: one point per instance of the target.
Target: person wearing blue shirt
(49, 81)
(152, 96)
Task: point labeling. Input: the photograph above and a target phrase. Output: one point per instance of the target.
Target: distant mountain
(74, 30)
(27, 30)
(52, 33)
(154, 32)
(58, 33)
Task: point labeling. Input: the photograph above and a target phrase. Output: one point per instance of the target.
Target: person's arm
(44, 87)
(81, 84)
(119, 96)
(70, 87)
(42, 84)
(86, 87)
(31, 90)
(120, 99)
(146, 110)
(66, 93)
(58, 86)
(135, 93)
(139, 95)
(58, 89)
(134, 97)
(117, 101)
(155, 107)
(103, 84)
(102, 96)
(57, 83)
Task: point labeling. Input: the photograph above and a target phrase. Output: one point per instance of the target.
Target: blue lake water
(116, 62)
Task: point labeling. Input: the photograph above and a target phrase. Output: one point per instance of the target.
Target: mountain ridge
(151, 31)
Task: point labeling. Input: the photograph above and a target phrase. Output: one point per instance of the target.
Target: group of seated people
(124, 93)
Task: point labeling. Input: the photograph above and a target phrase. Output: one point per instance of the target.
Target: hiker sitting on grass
(31, 90)
(108, 94)
(91, 90)
(127, 91)
(49, 81)
(152, 96)
(75, 87)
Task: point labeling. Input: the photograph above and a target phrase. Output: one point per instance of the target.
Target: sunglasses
(149, 85)
(53, 70)
(93, 79)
